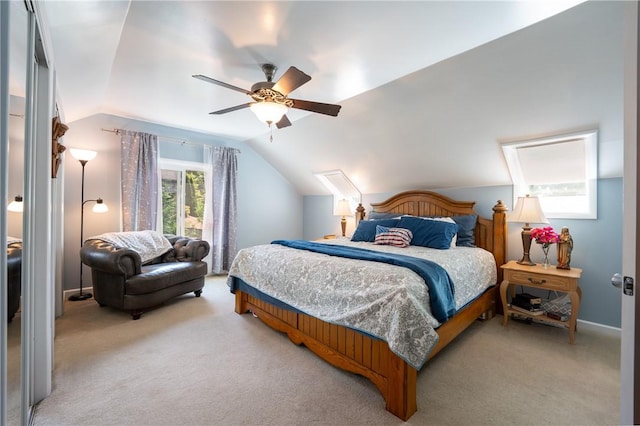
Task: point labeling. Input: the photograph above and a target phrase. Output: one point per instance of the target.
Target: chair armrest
(105, 257)
(14, 251)
(190, 250)
(14, 259)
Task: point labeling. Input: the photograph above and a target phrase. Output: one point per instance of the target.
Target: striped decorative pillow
(398, 237)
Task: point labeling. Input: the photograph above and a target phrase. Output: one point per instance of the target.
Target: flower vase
(545, 262)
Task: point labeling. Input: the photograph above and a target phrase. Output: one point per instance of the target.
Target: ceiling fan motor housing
(262, 85)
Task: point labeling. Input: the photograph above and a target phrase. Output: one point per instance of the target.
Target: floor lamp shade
(527, 211)
(16, 205)
(83, 154)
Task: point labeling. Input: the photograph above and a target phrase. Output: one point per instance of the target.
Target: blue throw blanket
(441, 290)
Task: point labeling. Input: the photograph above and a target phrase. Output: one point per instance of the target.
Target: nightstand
(325, 238)
(563, 280)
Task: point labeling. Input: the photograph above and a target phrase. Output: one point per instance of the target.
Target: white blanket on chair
(11, 240)
(148, 244)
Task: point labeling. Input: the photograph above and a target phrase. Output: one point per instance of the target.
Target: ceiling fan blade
(319, 107)
(220, 83)
(290, 81)
(230, 109)
(284, 122)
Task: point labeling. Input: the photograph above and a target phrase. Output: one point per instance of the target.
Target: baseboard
(600, 328)
(32, 415)
(67, 293)
(588, 325)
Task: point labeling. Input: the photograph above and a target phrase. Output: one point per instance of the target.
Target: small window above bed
(561, 171)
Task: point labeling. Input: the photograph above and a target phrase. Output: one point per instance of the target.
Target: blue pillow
(466, 232)
(366, 230)
(380, 215)
(429, 233)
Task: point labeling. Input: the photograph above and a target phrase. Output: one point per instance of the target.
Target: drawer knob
(538, 282)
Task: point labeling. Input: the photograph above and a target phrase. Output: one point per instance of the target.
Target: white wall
(268, 205)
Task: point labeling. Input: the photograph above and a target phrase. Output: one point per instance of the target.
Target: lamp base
(80, 296)
(525, 261)
(526, 246)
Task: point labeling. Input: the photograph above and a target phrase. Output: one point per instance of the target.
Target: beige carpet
(196, 362)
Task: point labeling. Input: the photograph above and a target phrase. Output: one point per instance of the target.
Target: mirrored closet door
(26, 97)
(14, 178)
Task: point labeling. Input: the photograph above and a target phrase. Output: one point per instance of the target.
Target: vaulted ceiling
(136, 59)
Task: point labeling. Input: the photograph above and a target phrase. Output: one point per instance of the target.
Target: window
(341, 188)
(561, 171)
(182, 197)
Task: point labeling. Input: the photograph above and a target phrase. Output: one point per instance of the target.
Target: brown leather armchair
(121, 281)
(14, 277)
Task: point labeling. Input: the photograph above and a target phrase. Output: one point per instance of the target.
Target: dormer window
(341, 187)
(561, 170)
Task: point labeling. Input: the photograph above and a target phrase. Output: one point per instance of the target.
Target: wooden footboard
(358, 353)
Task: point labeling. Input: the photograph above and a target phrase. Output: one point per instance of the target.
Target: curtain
(139, 179)
(220, 224)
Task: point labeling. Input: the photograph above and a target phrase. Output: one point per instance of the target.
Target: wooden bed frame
(353, 351)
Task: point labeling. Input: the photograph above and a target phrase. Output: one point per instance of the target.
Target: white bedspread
(385, 301)
(148, 244)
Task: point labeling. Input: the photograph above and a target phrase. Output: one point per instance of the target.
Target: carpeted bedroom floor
(196, 362)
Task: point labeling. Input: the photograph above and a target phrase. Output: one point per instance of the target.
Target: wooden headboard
(490, 234)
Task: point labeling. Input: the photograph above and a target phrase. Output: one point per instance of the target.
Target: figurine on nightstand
(565, 246)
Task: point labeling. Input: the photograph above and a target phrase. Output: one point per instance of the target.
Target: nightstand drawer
(544, 281)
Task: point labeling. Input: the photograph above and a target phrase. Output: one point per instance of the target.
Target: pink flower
(544, 236)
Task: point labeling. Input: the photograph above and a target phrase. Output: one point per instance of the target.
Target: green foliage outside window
(169, 202)
(194, 203)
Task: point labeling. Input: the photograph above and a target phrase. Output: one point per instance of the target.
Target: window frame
(588, 201)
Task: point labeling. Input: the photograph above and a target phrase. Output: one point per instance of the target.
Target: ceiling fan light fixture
(269, 112)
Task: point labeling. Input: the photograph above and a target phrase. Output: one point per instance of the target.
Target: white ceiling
(136, 59)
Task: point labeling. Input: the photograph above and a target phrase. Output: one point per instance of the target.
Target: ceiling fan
(270, 101)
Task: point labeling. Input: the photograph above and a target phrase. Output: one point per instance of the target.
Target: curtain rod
(170, 139)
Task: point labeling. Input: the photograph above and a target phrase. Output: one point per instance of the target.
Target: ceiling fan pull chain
(270, 130)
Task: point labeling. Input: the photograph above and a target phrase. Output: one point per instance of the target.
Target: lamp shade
(343, 208)
(100, 206)
(16, 205)
(269, 112)
(527, 210)
(83, 154)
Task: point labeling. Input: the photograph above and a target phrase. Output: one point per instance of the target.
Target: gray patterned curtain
(139, 178)
(220, 224)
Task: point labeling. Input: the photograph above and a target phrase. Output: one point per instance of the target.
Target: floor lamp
(85, 156)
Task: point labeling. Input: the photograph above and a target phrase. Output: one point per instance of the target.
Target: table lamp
(343, 209)
(527, 211)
